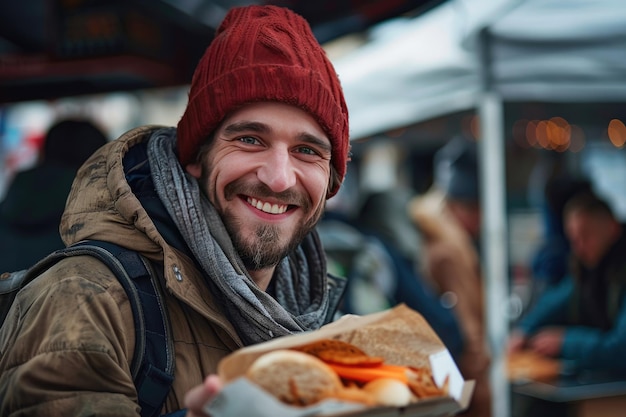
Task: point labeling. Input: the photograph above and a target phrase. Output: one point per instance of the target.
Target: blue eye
(248, 139)
(308, 151)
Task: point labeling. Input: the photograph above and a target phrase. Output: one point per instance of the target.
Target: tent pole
(494, 229)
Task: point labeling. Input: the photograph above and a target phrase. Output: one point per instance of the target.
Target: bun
(294, 377)
(388, 391)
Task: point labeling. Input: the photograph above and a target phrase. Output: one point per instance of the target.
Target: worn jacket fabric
(71, 329)
(451, 263)
(595, 334)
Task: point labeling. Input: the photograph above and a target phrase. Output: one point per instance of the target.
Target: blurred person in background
(31, 210)
(591, 296)
(386, 271)
(582, 320)
(448, 217)
(550, 261)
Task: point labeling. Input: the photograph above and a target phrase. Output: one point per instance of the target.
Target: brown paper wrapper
(400, 335)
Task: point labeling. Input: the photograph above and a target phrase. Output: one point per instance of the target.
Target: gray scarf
(302, 299)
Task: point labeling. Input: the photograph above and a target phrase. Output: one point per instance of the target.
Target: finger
(213, 383)
(197, 397)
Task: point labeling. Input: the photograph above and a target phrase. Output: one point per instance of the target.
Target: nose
(278, 172)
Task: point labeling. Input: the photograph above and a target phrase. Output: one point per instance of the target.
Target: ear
(194, 169)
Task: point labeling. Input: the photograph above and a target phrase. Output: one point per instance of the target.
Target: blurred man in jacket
(448, 217)
(582, 319)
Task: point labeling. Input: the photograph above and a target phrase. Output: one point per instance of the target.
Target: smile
(267, 207)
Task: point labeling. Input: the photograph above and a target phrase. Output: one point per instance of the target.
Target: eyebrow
(325, 145)
(239, 127)
(250, 126)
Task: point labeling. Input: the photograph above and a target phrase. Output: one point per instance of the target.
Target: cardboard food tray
(400, 335)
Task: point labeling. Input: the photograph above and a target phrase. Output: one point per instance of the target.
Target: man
(550, 260)
(225, 206)
(448, 217)
(582, 319)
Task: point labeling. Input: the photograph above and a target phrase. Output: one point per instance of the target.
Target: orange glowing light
(617, 133)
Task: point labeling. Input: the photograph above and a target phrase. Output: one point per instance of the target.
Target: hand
(548, 341)
(517, 341)
(197, 397)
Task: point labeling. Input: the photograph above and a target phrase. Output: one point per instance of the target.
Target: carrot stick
(369, 373)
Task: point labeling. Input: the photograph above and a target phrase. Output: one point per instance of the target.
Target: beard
(264, 250)
(266, 246)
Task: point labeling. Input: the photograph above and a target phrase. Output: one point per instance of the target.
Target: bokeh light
(617, 133)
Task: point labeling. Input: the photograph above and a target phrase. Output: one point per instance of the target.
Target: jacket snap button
(177, 274)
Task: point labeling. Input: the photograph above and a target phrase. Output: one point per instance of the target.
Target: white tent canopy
(541, 50)
(411, 70)
(568, 51)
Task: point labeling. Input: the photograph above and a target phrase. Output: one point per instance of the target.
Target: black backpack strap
(153, 360)
(10, 284)
(152, 366)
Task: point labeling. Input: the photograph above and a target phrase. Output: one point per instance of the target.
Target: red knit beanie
(264, 53)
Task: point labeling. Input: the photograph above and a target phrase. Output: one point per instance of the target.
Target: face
(267, 173)
(590, 236)
(469, 216)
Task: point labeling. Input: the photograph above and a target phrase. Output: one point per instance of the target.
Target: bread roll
(388, 391)
(294, 377)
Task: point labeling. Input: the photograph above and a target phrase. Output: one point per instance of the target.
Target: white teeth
(267, 207)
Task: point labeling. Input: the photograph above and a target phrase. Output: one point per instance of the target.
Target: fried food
(422, 383)
(331, 368)
(339, 352)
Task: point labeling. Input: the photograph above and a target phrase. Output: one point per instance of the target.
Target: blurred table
(593, 394)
